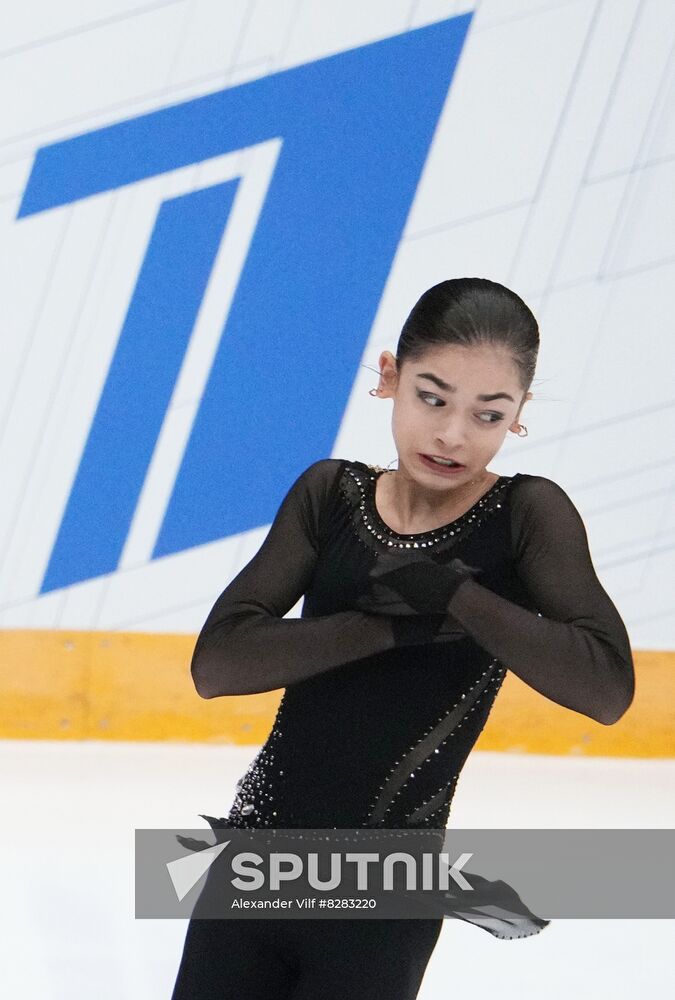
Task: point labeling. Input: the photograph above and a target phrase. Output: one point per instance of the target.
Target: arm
(576, 651)
(246, 646)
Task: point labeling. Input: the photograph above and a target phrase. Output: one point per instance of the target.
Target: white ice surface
(67, 846)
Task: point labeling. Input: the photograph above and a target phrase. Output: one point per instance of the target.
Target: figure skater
(422, 585)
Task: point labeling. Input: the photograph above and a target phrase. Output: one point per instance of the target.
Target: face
(438, 410)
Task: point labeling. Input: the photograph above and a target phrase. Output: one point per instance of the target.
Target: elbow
(216, 662)
(215, 680)
(614, 709)
(220, 669)
(204, 692)
(209, 668)
(202, 677)
(199, 682)
(616, 692)
(609, 718)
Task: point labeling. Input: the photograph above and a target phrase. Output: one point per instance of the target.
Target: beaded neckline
(365, 477)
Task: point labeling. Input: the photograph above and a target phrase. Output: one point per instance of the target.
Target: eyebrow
(453, 388)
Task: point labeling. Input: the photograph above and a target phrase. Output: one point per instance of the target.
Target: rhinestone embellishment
(430, 742)
(255, 791)
(370, 525)
(413, 790)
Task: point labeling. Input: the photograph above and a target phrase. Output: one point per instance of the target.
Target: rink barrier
(76, 685)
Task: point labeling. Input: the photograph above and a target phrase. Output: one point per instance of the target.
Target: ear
(516, 420)
(388, 375)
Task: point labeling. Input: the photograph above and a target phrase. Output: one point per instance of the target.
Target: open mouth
(442, 463)
(447, 462)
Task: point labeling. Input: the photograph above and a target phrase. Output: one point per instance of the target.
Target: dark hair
(471, 311)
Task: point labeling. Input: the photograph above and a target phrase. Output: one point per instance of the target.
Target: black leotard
(382, 706)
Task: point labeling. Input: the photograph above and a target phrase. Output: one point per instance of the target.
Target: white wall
(551, 171)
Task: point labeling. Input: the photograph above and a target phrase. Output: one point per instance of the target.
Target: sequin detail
(357, 490)
(255, 795)
(260, 792)
(434, 804)
(431, 742)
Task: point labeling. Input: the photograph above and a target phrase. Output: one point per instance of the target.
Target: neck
(412, 504)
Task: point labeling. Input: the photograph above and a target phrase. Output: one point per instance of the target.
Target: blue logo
(354, 131)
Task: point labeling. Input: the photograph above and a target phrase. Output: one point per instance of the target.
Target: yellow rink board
(78, 685)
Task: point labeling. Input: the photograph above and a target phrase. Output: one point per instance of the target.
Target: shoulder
(528, 490)
(326, 470)
(322, 466)
(322, 473)
(541, 507)
(316, 482)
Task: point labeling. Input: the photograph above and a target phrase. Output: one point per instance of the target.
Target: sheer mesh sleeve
(246, 646)
(575, 649)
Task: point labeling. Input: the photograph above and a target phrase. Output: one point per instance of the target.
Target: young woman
(421, 586)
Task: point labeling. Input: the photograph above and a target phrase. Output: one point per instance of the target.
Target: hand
(380, 599)
(416, 583)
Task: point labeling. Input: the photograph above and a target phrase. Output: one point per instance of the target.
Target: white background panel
(13, 178)
(499, 120)
(549, 171)
(662, 142)
(567, 159)
(27, 25)
(72, 76)
(267, 30)
(639, 89)
(210, 37)
(623, 373)
(646, 237)
(583, 246)
(350, 22)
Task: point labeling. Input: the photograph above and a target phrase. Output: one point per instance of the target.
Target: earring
(373, 392)
(389, 466)
(522, 427)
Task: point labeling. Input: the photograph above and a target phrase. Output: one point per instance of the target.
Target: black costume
(392, 670)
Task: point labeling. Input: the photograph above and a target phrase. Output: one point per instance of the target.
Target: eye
(431, 399)
(428, 396)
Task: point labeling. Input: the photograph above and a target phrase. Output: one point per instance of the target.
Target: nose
(451, 434)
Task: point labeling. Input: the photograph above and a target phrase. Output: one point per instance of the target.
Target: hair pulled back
(471, 312)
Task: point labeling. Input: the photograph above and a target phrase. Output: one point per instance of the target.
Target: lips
(446, 458)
